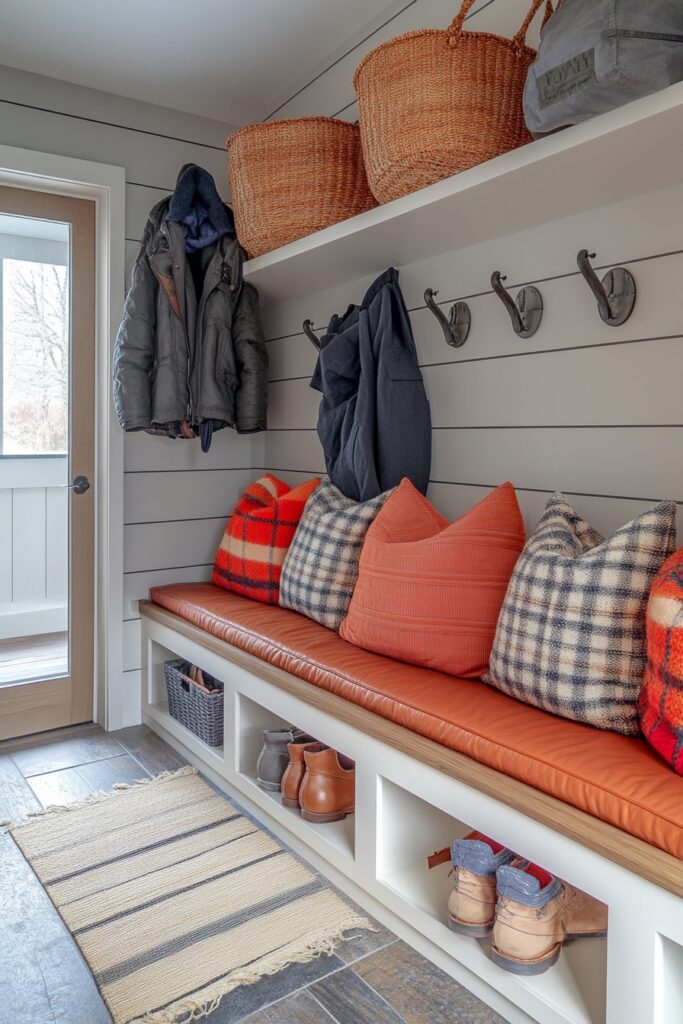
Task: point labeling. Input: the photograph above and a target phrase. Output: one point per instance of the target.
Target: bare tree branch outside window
(35, 357)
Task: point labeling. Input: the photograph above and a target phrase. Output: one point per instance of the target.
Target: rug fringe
(189, 1011)
(96, 798)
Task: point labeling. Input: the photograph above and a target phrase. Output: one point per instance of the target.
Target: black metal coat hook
(312, 337)
(455, 326)
(526, 311)
(615, 294)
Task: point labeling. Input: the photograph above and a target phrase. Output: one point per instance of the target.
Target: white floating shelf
(628, 152)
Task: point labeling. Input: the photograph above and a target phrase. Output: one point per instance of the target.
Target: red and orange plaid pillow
(661, 697)
(257, 537)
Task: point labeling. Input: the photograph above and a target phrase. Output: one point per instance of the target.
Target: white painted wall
(328, 89)
(176, 499)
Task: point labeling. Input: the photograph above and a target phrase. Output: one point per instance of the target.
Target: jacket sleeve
(134, 348)
(251, 359)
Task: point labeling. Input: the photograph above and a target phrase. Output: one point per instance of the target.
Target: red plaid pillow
(259, 532)
(661, 697)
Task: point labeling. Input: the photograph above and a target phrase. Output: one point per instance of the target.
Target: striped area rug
(175, 899)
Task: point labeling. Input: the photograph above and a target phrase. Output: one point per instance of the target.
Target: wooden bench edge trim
(637, 856)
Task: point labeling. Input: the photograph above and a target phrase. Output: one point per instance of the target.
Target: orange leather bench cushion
(616, 778)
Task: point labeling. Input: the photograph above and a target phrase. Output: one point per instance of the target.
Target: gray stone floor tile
(301, 1008)
(364, 942)
(17, 798)
(66, 786)
(102, 776)
(244, 1001)
(44, 979)
(90, 744)
(419, 990)
(349, 1000)
(148, 749)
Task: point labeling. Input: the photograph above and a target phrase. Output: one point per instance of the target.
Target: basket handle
(549, 11)
(456, 26)
(520, 38)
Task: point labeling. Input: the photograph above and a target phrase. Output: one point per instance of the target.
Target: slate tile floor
(371, 979)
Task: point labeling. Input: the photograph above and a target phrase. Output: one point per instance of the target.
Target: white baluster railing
(34, 545)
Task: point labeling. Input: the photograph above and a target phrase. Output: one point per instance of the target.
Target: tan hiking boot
(472, 903)
(536, 914)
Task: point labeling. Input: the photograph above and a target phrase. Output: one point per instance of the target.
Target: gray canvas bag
(596, 55)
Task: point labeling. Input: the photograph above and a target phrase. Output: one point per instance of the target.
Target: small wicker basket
(193, 707)
(433, 103)
(291, 178)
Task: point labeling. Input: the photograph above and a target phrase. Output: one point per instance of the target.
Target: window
(34, 336)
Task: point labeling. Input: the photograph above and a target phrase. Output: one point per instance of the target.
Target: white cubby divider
(405, 810)
(670, 971)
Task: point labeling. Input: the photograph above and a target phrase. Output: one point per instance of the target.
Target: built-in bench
(435, 757)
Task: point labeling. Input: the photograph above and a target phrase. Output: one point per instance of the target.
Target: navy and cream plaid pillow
(571, 632)
(321, 567)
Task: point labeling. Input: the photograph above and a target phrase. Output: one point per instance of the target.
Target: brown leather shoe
(295, 770)
(328, 791)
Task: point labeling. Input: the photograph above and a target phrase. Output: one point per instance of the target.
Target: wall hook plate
(455, 326)
(525, 311)
(615, 294)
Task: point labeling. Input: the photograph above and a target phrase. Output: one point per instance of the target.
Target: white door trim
(106, 186)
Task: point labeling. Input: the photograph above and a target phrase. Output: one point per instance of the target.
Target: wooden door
(47, 444)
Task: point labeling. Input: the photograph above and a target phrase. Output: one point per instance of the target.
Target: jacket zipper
(217, 275)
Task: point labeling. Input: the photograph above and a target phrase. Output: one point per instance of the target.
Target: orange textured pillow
(257, 537)
(429, 591)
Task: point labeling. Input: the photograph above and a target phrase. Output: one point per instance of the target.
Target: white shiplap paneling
(581, 406)
(180, 496)
(332, 92)
(170, 545)
(136, 584)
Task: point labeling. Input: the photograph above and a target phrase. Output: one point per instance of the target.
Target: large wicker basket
(433, 103)
(291, 178)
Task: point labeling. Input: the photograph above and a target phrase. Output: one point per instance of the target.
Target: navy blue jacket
(374, 422)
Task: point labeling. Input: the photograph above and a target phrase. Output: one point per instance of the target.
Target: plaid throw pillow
(571, 632)
(259, 532)
(661, 698)
(321, 567)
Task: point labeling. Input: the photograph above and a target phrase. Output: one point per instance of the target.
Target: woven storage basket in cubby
(197, 710)
(291, 178)
(433, 103)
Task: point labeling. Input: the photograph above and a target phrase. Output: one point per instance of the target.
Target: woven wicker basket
(291, 178)
(198, 711)
(433, 103)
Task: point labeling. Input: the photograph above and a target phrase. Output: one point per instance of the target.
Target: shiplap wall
(176, 499)
(329, 88)
(592, 410)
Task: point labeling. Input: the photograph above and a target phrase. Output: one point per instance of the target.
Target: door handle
(80, 485)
